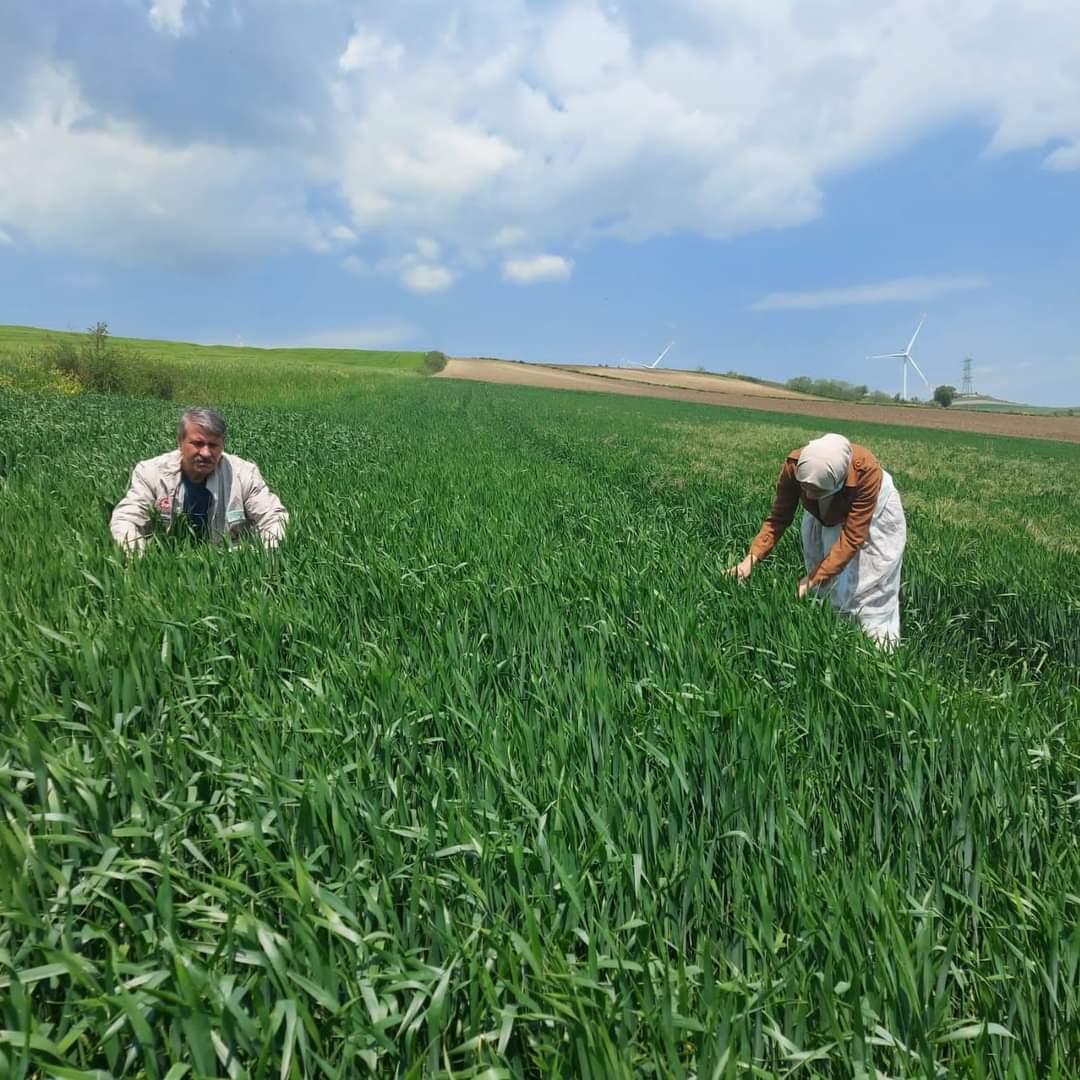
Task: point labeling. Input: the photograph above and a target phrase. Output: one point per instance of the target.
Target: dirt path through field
(737, 394)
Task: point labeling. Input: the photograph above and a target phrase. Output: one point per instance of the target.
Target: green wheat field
(490, 772)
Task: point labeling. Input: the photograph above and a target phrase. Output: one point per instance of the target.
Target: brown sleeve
(781, 515)
(856, 527)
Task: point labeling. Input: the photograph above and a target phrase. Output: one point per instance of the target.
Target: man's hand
(804, 586)
(741, 570)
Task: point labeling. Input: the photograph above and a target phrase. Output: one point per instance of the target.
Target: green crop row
(489, 771)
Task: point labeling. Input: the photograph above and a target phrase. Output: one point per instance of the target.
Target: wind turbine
(907, 358)
(656, 362)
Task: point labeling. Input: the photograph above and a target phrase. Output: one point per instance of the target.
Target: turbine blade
(662, 355)
(919, 370)
(887, 356)
(915, 335)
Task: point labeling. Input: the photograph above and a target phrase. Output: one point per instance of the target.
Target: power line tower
(967, 386)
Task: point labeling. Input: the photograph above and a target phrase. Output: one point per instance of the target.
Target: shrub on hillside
(97, 363)
(945, 395)
(28, 370)
(148, 378)
(434, 361)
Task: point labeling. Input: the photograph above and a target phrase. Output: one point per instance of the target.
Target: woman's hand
(742, 570)
(804, 586)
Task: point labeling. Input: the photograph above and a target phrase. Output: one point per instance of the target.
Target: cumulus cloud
(538, 268)
(412, 171)
(420, 270)
(5, 238)
(167, 16)
(885, 292)
(1064, 158)
(509, 236)
(587, 121)
(426, 278)
(427, 248)
(71, 178)
(367, 49)
(496, 128)
(583, 50)
(342, 234)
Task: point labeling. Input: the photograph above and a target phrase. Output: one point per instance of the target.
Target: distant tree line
(836, 388)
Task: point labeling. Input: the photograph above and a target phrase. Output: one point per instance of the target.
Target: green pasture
(490, 772)
(223, 373)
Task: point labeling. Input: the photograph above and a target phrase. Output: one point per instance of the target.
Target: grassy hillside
(490, 771)
(226, 373)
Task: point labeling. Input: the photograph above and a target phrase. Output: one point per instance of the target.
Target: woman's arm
(782, 514)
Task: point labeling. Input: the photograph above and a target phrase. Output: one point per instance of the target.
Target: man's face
(200, 452)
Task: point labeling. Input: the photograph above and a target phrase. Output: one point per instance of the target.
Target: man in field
(217, 496)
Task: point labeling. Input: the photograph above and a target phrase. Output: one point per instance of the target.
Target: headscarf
(824, 463)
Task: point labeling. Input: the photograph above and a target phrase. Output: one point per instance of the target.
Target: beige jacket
(240, 502)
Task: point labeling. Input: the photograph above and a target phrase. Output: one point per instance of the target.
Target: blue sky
(781, 186)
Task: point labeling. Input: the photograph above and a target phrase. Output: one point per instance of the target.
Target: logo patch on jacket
(164, 504)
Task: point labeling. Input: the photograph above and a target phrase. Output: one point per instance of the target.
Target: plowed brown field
(739, 394)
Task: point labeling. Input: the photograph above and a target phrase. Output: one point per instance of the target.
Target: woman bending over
(853, 532)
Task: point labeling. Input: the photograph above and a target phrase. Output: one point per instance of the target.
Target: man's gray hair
(208, 419)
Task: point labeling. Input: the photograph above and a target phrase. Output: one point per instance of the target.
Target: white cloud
(427, 248)
(420, 270)
(71, 178)
(537, 268)
(885, 292)
(389, 336)
(426, 278)
(5, 238)
(519, 125)
(367, 50)
(509, 236)
(167, 16)
(343, 234)
(588, 121)
(1064, 158)
(354, 264)
(581, 50)
(402, 170)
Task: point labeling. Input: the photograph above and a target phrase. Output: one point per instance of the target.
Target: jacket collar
(213, 481)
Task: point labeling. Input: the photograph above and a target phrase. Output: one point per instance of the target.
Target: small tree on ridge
(944, 395)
